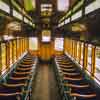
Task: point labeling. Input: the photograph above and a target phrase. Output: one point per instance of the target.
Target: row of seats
(72, 83)
(17, 84)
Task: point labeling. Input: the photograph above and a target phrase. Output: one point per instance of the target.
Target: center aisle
(44, 87)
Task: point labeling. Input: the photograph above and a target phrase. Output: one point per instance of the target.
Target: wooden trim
(12, 51)
(85, 57)
(0, 59)
(7, 54)
(80, 52)
(93, 60)
(16, 49)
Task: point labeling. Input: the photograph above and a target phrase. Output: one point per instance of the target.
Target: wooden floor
(44, 87)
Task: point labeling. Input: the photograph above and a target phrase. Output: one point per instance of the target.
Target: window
(34, 4)
(33, 43)
(67, 20)
(46, 36)
(77, 15)
(59, 44)
(29, 5)
(26, 20)
(46, 5)
(63, 5)
(3, 49)
(17, 15)
(97, 72)
(89, 58)
(4, 7)
(92, 6)
(46, 9)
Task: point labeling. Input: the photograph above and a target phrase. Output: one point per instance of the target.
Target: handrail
(76, 86)
(65, 66)
(22, 73)
(10, 94)
(24, 68)
(72, 74)
(14, 85)
(60, 60)
(73, 79)
(83, 95)
(13, 94)
(71, 65)
(23, 65)
(65, 62)
(19, 78)
(27, 59)
(65, 69)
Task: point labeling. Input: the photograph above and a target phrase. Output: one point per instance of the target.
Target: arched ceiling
(36, 14)
(50, 20)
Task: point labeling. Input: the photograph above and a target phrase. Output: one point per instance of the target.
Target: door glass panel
(59, 44)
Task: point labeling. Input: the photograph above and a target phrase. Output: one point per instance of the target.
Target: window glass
(67, 20)
(89, 58)
(46, 39)
(97, 72)
(63, 5)
(29, 5)
(33, 43)
(4, 7)
(92, 6)
(46, 36)
(59, 44)
(17, 15)
(77, 15)
(3, 49)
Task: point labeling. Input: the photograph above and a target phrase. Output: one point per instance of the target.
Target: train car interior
(49, 49)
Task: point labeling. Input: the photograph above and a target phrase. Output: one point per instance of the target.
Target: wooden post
(93, 60)
(16, 49)
(13, 51)
(0, 59)
(80, 52)
(7, 55)
(85, 57)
